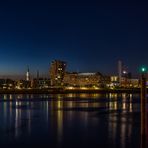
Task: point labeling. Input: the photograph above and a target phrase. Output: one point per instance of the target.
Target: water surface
(70, 120)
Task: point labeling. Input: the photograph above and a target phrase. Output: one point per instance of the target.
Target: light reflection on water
(87, 120)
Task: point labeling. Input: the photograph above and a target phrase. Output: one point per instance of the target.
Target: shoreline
(64, 91)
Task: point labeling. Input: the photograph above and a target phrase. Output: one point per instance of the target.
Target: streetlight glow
(143, 69)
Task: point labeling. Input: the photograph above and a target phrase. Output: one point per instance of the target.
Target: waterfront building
(105, 81)
(7, 84)
(114, 81)
(40, 83)
(70, 79)
(57, 72)
(126, 82)
(23, 84)
(134, 83)
(82, 79)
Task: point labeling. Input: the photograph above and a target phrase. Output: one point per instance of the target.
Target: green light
(143, 69)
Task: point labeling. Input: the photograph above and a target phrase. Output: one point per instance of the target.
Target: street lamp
(143, 71)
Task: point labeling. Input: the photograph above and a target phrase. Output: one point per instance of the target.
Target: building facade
(82, 79)
(57, 72)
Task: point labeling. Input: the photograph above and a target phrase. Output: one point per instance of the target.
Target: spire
(27, 74)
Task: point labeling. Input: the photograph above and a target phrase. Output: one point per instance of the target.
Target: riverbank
(62, 91)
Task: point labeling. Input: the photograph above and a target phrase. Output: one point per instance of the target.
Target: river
(70, 120)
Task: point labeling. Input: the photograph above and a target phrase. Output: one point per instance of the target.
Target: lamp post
(143, 108)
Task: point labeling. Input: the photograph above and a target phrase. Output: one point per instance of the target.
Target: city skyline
(28, 75)
(60, 78)
(82, 33)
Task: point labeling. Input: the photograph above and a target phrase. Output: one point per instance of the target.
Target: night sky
(90, 35)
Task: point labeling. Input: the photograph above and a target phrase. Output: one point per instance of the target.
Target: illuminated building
(106, 81)
(114, 81)
(70, 79)
(82, 79)
(134, 83)
(56, 72)
(126, 81)
(114, 78)
(7, 84)
(123, 75)
(126, 78)
(40, 83)
(23, 84)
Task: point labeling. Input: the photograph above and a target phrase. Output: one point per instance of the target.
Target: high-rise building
(56, 72)
(120, 71)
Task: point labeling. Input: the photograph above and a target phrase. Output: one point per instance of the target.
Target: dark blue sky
(89, 35)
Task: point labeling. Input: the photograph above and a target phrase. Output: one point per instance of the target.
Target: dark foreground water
(72, 120)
